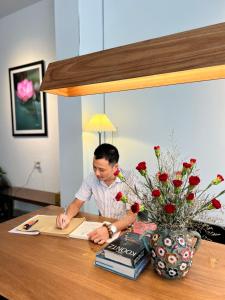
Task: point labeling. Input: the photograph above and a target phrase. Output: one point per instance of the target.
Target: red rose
(194, 180)
(220, 177)
(116, 173)
(170, 208)
(178, 175)
(157, 151)
(141, 166)
(216, 203)
(217, 180)
(192, 161)
(119, 196)
(135, 208)
(163, 177)
(190, 196)
(156, 193)
(177, 183)
(187, 165)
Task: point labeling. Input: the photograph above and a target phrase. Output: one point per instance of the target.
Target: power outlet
(37, 166)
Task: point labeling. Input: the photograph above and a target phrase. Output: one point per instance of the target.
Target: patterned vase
(172, 251)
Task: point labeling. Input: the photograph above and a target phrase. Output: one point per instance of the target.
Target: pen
(65, 209)
(63, 220)
(29, 225)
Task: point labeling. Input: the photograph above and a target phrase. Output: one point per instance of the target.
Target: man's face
(103, 169)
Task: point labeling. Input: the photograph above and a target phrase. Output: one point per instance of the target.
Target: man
(103, 186)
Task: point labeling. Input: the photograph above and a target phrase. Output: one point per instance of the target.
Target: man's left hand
(99, 236)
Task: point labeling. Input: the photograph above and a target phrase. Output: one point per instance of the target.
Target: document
(81, 232)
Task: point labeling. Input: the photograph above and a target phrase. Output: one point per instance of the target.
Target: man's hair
(108, 152)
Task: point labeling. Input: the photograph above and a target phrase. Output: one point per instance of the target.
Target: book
(45, 224)
(127, 249)
(121, 269)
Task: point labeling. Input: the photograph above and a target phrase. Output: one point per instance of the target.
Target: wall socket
(37, 166)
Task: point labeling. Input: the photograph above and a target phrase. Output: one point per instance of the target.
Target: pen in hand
(63, 220)
(29, 225)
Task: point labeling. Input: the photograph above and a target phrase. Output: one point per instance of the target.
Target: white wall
(90, 41)
(28, 36)
(67, 45)
(194, 112)
(35, 33)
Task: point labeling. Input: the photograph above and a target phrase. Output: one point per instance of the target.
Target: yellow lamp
(99, 123)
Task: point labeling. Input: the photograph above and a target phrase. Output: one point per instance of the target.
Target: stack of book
(125, 256)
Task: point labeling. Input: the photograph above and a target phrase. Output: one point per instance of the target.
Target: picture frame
(28, 104)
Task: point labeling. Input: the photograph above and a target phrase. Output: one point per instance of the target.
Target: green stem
(130, 187)
(184, 186)
(158, 162)
(149, 182)
(221, 193)
(204, 191)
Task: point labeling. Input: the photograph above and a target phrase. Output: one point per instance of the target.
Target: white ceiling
(8, 7)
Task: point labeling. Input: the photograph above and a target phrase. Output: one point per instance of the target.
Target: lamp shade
(189, 56)
(99, 123)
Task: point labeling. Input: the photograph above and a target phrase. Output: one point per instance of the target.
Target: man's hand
(62, 221)
(99, 236)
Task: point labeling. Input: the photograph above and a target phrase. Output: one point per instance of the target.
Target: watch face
(113, 228)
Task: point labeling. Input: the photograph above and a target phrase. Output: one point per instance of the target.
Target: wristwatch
(113, 228)
(110, 228)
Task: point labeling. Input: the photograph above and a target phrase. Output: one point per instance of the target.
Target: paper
(141, 227)
(82, 231)
(86, 227)
(15, 230)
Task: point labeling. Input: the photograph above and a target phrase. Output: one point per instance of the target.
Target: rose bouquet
(171, 198)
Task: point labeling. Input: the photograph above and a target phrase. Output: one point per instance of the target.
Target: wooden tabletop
(46, 267)
(30, 195)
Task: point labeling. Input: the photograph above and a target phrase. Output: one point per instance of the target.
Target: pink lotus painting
(27, 102)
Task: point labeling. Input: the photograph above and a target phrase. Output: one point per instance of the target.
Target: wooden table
(42, 198)
(46, 267)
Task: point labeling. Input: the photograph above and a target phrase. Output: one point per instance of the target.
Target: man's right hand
(62, 221)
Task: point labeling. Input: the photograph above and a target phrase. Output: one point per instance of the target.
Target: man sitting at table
(103, 186)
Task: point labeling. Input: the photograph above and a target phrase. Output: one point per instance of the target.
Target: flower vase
(172, 251)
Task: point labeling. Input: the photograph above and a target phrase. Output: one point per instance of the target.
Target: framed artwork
(28, 104)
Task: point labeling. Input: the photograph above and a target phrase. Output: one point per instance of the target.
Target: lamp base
(99, 137)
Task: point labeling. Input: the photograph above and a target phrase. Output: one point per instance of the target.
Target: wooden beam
(189, 56)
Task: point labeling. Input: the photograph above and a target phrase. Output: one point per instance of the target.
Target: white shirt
(104, 195)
